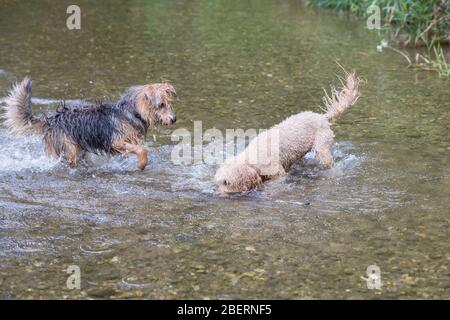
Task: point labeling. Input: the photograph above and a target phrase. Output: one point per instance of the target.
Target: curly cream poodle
(272, 152)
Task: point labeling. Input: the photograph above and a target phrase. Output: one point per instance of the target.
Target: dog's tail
(343, 98)
(18, 114)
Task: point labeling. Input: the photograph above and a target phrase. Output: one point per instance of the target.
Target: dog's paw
(141, 166)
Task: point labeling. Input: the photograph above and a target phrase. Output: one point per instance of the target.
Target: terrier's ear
(155, 98)
(171, 90)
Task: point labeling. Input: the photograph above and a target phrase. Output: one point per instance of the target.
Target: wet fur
(297, 135)
(108, 128)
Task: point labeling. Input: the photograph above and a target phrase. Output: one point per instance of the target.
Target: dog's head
(153, 102)
(237, 177)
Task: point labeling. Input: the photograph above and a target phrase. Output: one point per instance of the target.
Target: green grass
(410, 23)
(437, 63)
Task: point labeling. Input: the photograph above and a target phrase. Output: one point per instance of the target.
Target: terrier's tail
(343, 98)
(18, 114)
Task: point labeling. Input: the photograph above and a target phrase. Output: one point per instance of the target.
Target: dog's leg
(322, 146)
(71, 154)
(141, 152)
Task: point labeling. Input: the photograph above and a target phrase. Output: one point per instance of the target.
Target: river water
(163, 232)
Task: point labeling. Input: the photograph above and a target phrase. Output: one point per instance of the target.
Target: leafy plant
(410, 22)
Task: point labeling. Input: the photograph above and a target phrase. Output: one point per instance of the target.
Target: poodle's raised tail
(18, 114)
(342, 98)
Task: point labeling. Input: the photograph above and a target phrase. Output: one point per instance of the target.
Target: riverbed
(164, 233)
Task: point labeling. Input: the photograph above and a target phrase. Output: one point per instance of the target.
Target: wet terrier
(293, 138)
(104, 128)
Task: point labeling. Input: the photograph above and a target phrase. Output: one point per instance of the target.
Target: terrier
(289, 140)
(104, 128)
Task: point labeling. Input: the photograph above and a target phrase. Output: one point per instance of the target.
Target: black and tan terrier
(110, 128)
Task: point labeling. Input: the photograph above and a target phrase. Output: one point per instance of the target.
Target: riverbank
(406, 24)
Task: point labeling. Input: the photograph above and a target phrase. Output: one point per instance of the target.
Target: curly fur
(296, 136)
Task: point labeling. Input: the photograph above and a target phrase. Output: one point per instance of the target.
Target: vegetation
(410, 23)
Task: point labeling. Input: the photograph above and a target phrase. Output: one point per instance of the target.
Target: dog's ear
(171, 90)
(153, 97)
(254, 176)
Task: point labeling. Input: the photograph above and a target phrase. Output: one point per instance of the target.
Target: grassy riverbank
(408, 23)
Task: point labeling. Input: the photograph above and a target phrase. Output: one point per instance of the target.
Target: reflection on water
(164, 233)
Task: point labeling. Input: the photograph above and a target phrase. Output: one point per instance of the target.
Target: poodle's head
(237, 177)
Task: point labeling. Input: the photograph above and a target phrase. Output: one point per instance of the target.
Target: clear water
(163, 233)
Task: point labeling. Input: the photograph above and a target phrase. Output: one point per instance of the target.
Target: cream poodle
(272, 152)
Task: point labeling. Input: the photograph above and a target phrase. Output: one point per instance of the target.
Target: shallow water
(163, 233)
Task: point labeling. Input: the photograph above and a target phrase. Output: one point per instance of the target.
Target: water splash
(23, 153)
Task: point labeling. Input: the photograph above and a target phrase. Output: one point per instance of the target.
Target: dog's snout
(174, 118)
